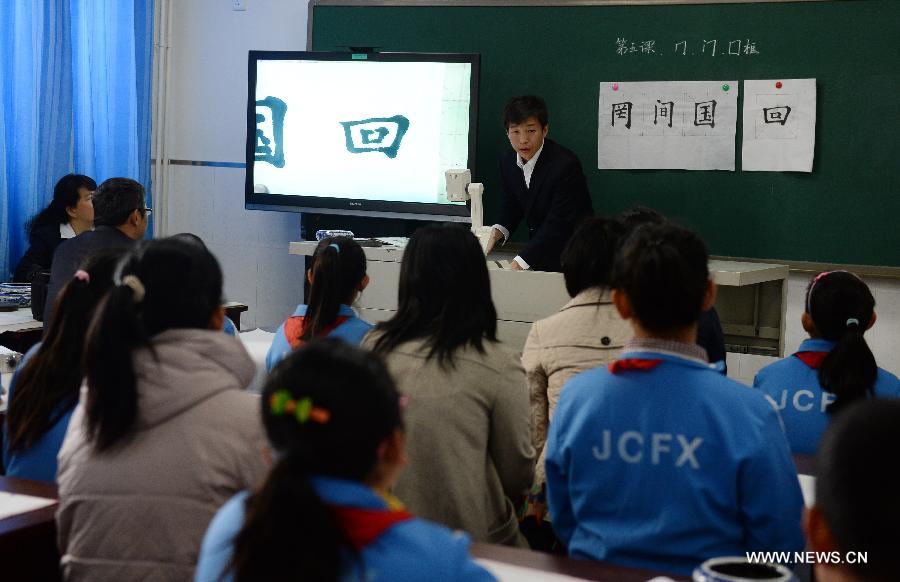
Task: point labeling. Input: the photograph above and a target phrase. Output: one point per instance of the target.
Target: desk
(21, 335)
(28, 541)
(587, 569)
(19, 330)
(751, 301)
(28, 547)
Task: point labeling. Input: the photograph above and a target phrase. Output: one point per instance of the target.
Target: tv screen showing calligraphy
(359, 132)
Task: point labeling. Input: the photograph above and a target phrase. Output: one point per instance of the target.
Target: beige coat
(467, 437)
(139, 510)
(587, 332)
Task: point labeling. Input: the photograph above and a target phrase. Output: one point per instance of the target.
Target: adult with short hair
(120, 219)
(856, 507)
(543, 183)
(69, 214)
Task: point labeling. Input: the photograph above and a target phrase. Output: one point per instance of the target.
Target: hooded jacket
(138, 511)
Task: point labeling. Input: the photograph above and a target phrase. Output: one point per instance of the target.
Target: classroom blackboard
(845, 211)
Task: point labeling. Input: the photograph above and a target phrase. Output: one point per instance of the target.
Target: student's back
(832, 368)
(659, 461)
(337, 274)
(45, 388)
(334, 416)
(471, 458)
(163, 434)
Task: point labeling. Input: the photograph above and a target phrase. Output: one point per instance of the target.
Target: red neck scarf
(811, 359)
(363, 526)
(632, 364)
(295, 326)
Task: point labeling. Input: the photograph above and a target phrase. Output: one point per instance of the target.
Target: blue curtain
(75, 93)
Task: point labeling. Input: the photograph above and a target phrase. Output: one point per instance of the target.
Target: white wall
(206, 121)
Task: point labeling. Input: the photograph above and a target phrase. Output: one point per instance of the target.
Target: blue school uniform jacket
(668, 466)
(792, 384)
(38, 462)
(350, 328)
(410, 550)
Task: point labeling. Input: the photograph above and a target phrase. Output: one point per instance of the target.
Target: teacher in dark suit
(542, 182)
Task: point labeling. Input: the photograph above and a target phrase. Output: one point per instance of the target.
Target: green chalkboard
(845, 211)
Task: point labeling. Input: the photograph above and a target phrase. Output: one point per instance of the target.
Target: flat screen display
(359, 133)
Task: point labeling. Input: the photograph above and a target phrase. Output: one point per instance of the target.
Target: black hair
(116, 199)
(587, 258)
(519, 109)
(664, 272)
(338, 266)
(47, 387)
(182, 288)
(857, 484)
(65, 195)
(841, 307)
(444, 295)
(637, 216)
(289, 533)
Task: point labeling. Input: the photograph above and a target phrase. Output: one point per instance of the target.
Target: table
(28, 547)
(587, 569)
(28, 541)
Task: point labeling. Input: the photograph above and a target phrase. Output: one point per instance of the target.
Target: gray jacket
(468, 439)
(139, 511)
(587, 332)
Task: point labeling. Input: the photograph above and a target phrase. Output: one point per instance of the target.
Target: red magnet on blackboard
(615, 87)
(778, 85)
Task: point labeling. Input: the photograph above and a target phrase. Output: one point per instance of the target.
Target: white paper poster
(779, 125)
(682, 125)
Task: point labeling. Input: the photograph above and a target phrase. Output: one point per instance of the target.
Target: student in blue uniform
(856, 507)
(333, 416)
(659, 461)
(833, 367)
(336, 277)
(45, 388)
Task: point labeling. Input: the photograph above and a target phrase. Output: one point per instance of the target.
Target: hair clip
(137, 288)
(82, 276)
(335, 247)
(852, 321)
(303, 410)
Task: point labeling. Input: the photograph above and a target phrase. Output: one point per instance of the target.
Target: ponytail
(849, 370)
(842, 307)
(288, 533)
(112, 399)
(47, 386)
(327, 408)
(338, 267)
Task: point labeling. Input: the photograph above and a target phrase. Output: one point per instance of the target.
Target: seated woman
(468, 427)
(164, 433)
(587, 332)
(334, 416)
(44, 390)
(834, 367)
(337, 275)
(69, 214)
